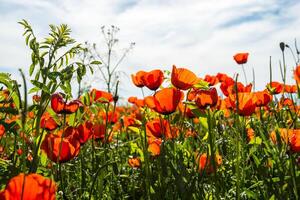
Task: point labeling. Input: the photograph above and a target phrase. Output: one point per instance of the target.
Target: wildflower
(183, 78)
(246, 103)
(48, 123)
(137, 79)
(29, 187)
(154, 146)
(275, 87)
(59, 106)
(295, 141)
(262, 98)
(2, 130)
(241, 58)
(212, 80)
(153, 79)
(297, 74)
(206, 98)
(59, 148)
(85, 131)
(100, 96)
(205, 163)
(134, 162)
(165, 101)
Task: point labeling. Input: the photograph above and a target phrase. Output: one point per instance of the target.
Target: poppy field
(211, 137)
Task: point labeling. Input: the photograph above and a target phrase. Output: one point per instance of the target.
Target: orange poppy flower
(2, 130)
(241, 58)
(165, 101)
(262, 98)
(250, 134)
(229, 87)
(137, 79)
(29, 187)
(212, 80)
(136, 101)
(297, 74)
(59, 106)
(295, 141)
(129, 121)
(275, 87)
(101, 96)
(154, 146)
(286, 102)
(153, 79)
(246, 103)
(290, 89)
(285, 135)
(204, 163)
(183, 78)
(134, 162)
(48, 123)
(60, 149)
(206, 98)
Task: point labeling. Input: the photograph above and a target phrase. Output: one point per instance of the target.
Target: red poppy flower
(29, 187)
(101, 96)
(2, 130)
(205, 163)
(165, 101)
(153, 79)
(59, 106)
(295, 140)
(60, 149)
(228, 87)
(183, 78)
(112, 117)
(246, 102)
(297, 74)
(262, 98)
(275, 87)
(290, 89)
(99, 131)
(241, 58)
(212, 80)
(159, 127)
(137, 79)
(222, 77)
(48, 123)
(206, 98)
(85, 131)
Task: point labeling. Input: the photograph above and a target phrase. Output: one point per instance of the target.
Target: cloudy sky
(201, 35)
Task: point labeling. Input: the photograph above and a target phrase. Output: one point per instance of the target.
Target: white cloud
(201, 35)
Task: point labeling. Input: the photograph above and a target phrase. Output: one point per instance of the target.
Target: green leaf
(96, 62)
(40, 85)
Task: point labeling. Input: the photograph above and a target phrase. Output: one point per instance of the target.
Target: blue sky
(201, 35)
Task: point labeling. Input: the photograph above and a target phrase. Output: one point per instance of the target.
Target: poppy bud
(282, 46)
